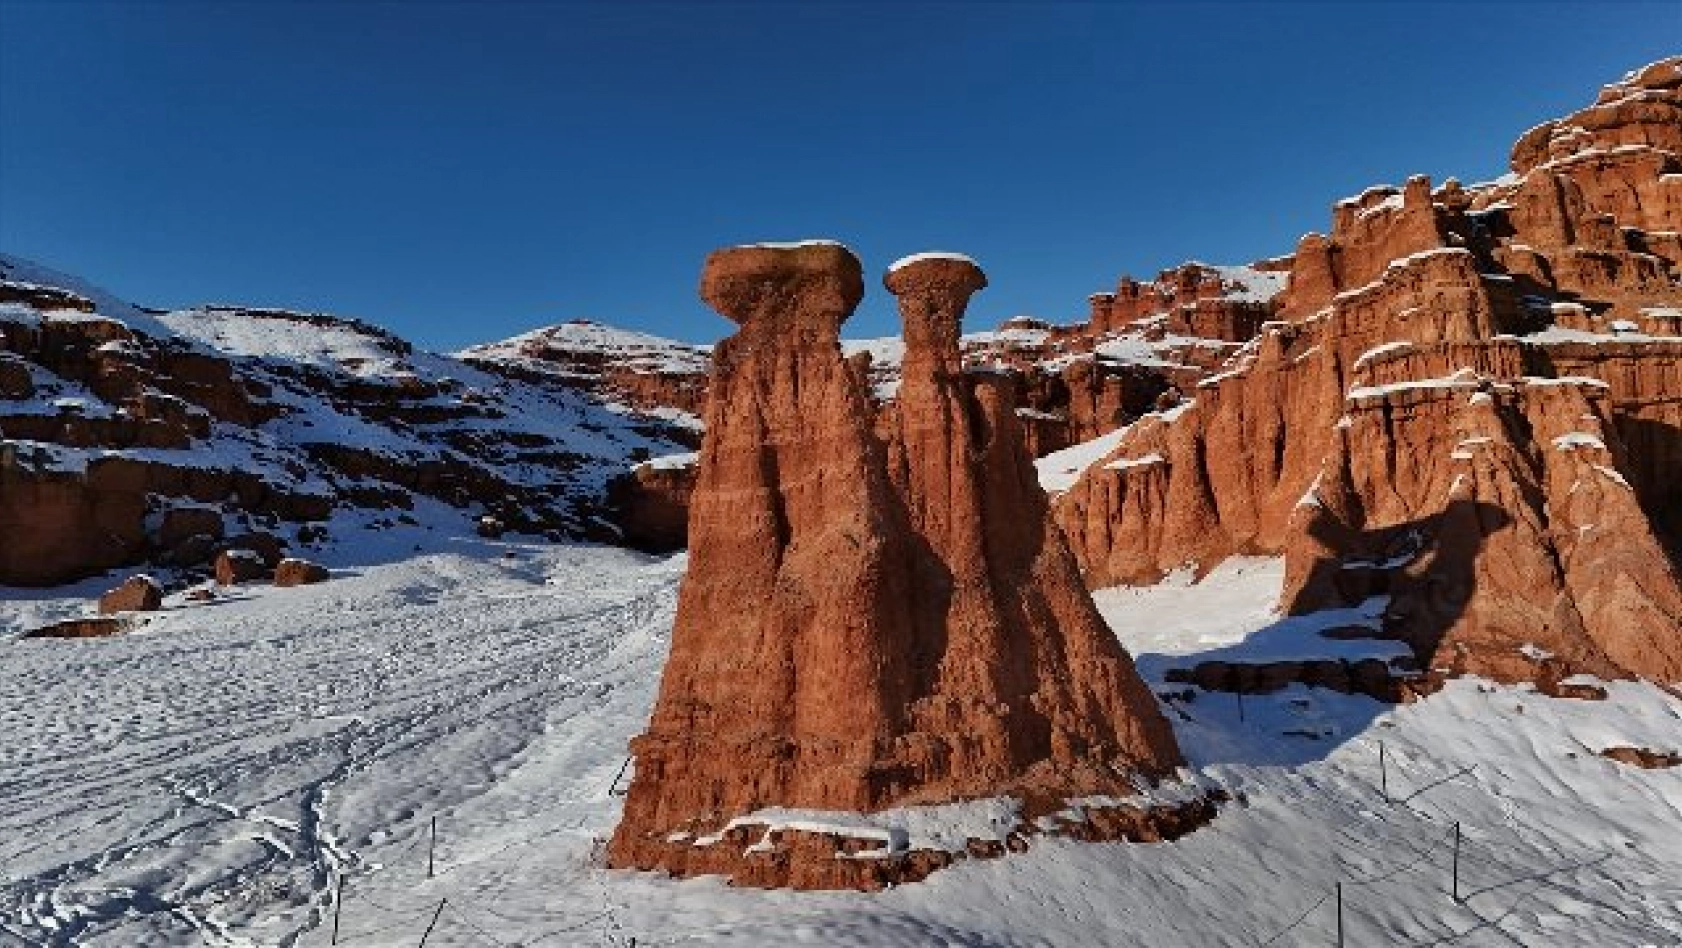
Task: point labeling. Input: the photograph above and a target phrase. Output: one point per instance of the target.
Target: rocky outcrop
(1192, 300)
(869, 623)
(642, 370)
(136, 594)
(771, 852)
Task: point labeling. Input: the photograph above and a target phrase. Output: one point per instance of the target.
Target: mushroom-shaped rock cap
(923, 272)
(814, 277)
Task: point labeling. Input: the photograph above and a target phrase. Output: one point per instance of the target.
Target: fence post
(1340, 915)
(431, 845)
(1383, 774)
(432, 924)
(1240, 695)
(338, 903)
(1456, 870)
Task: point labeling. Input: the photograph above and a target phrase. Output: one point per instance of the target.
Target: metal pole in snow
(1383, 774)
(431, 845)
(1456, 890)
(1240, 695)
(1340, 915)
(338, 903)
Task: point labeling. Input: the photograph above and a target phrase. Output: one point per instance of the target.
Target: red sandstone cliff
(1567, 269)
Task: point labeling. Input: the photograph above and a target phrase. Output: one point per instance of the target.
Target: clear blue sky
(463, 172)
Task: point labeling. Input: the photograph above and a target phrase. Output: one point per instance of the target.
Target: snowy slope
(202, 782)
(580, 338)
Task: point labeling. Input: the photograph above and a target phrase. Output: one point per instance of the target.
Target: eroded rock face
(1472, 368)
(869, 622)
(1643, 757)
(997, 576)
(130, 435)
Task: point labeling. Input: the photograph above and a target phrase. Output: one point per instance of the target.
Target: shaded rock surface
(101, 627)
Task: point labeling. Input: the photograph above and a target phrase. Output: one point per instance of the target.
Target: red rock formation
(1529, 481)
(136, 594)
(851, 640)
(1003, 586)
(1437, 275)
(1368, 232)
(1189, 300)
(112, 417)
(184, 523)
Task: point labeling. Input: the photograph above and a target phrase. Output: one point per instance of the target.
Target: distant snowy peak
(585, 342)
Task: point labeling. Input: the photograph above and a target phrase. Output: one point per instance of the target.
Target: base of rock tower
(783, 849)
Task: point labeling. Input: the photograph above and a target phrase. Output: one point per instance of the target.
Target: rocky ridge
(134, 435)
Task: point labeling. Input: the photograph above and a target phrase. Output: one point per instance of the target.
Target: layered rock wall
(1465, 410)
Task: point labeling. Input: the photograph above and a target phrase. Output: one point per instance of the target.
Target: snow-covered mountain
(300, 425)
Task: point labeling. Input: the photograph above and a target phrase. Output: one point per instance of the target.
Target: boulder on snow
(297, 572)
(136, 594)
(239, 566)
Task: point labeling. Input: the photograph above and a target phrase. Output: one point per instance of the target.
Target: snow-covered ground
(205, 780)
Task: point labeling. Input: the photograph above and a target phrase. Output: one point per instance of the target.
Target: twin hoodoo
(878, 612)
